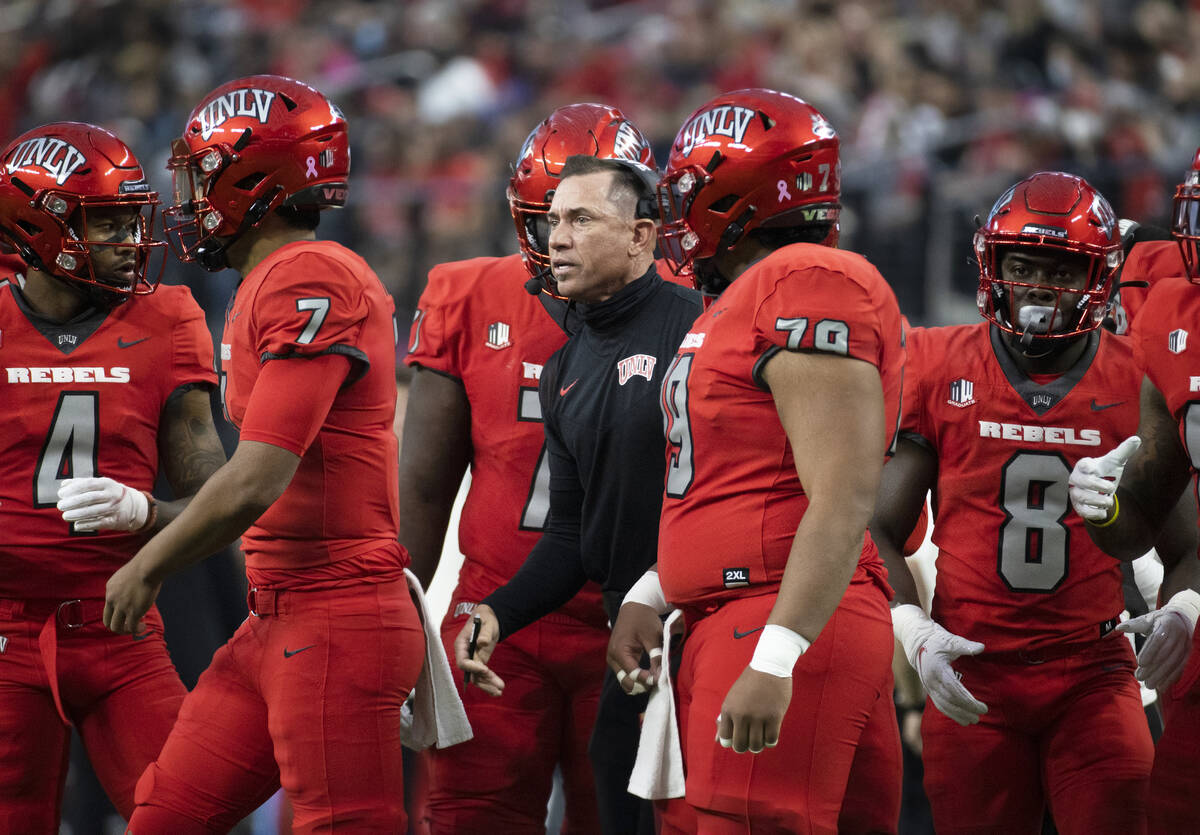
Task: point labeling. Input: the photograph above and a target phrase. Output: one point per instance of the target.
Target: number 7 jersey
(1015, 567)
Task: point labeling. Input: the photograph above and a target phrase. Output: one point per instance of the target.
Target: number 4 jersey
(84, 399)
(1015, 567)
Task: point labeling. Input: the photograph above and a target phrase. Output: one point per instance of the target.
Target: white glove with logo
(96, 504)
(1094, 481)
(931, 650)
(1165, 653)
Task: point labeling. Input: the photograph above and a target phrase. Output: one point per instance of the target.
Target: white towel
(434, 715)
(658, 771)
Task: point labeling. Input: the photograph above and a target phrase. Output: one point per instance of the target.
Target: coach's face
(595, 238)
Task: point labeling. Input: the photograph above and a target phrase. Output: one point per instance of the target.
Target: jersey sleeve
(311, 305)
(434, 341)
(193, 349)
(912, 404)
(816, 309)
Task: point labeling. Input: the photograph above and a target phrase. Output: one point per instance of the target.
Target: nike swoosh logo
(121, 343)
(287, 654)
(563, 391)
(1100, 407)
(141, 636)
(737, 634)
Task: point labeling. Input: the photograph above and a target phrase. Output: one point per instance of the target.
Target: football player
(779, 407)
(478, 345)
(1020, 657)
(1126, 494)
(106, 382)
(308, 691)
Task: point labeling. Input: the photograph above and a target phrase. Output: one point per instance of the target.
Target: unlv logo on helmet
(59, 158)
(629, 143)
(248, 101)
(728, 120)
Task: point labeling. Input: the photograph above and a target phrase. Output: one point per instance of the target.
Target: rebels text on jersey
(305, 300)
(84, 399)
(733, 499)
(476, 323)
(1016, 569)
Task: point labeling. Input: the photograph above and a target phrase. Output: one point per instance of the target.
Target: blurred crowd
(940, 103)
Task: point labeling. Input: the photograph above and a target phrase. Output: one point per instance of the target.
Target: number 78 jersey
(733, 498)
(1015, 567)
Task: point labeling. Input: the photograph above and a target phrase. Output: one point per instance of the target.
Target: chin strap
(213, 254)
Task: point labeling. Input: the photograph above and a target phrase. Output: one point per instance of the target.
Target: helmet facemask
(1185, 225)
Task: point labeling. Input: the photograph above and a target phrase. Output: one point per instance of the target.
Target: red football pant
(838, 686)
(1070, 730)
(121, 693)
(1174, 801)
(500, 780)
(306, 694)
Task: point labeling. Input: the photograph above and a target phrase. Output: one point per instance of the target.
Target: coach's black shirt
(604, 434)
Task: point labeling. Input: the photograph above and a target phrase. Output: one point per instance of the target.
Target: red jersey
(1167, 353)
(12, 269)
(475, 322)
(733, 499)
(1148, 261)
(1015, 567)
(83, 399)
(307, 299)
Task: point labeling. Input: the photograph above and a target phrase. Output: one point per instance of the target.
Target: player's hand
(1094, 481)
(931, 650)
(127, 598)
(638, 631)
(753, 711)
(1165, 653)
(101, 504)
(485, 645)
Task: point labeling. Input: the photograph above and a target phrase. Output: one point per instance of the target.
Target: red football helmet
(595, 129)
(1186, 226)
(251, 146)
(746, 160)
(1049, 212)
(50, 178)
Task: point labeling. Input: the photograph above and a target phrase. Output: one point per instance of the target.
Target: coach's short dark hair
(637, 180)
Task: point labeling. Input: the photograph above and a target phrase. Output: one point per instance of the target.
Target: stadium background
(940, 105)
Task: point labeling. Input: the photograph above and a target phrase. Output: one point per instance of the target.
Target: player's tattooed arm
(908, 476)
(1151, 483)
(189, 448)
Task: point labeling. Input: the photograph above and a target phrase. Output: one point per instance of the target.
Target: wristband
(648, 591)
(1110, 519)
(777, 651)
(151, 512)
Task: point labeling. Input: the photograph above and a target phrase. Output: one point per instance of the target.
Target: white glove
(96, 504)
(931, 649)
(1094, 480)
(1165, 653)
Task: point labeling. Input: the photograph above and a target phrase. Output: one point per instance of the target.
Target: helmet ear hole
(250, 181)
(725, 203)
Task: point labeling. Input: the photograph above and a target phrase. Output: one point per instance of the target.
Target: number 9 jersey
(1015, 568)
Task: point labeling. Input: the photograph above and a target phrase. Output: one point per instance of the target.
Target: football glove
(1094, 481)
(1165, 653)
(101, 504)
(931, 649)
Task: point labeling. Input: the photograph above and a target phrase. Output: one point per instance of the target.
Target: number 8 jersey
(1015, 567)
